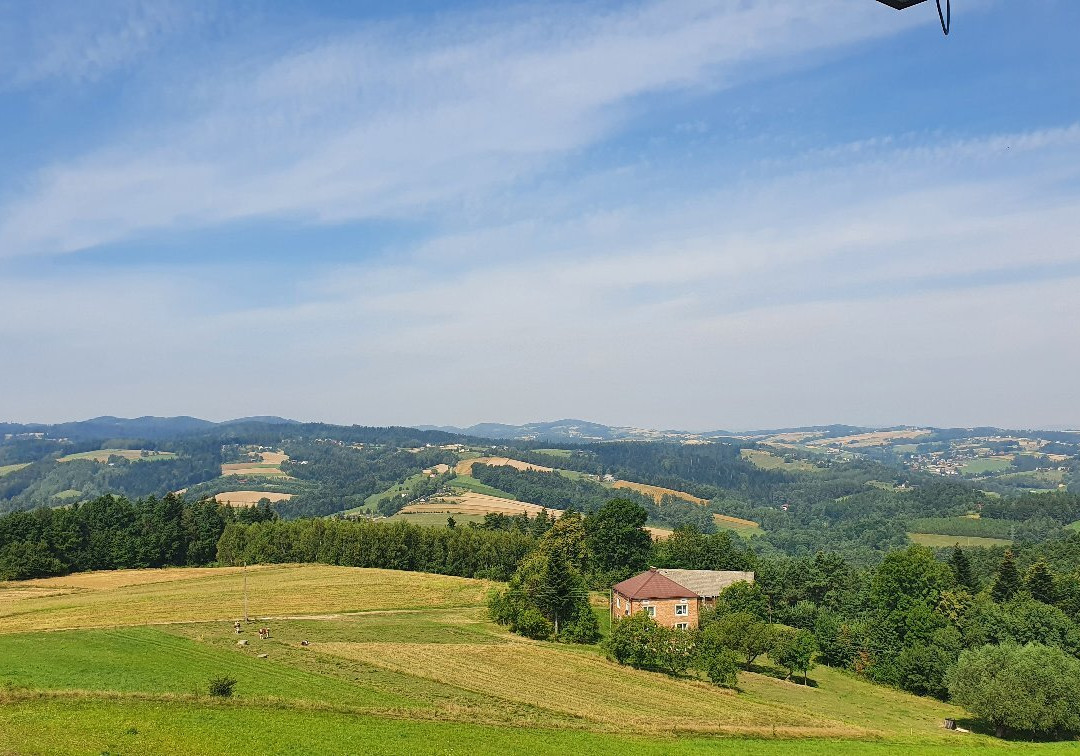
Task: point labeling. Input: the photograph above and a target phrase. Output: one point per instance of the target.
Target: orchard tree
(1026, 689)
(794, 651)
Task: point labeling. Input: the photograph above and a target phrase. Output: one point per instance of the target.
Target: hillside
(390, 655)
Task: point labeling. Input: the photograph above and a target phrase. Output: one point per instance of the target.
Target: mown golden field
(388, 662)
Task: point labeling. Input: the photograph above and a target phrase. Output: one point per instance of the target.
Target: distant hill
(571, 430)
(147, 427)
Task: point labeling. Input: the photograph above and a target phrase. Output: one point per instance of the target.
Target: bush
(532, 624)
(222, 687)
(1031, 689)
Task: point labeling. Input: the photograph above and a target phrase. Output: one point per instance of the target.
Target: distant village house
(673, 598)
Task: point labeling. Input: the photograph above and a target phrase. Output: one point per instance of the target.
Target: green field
(766, 460)
(435, 519)
(986, 465)
(1074, 526)
(134, 455)
(8, 469)
(393, 663)
(937, 541)
(469, 483)
(555, 452)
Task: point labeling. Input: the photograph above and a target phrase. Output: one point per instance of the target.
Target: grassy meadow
(387, 662)
(8, 469)
(134, 455)
(938, 541)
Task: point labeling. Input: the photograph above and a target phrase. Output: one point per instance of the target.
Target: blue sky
(677, 213)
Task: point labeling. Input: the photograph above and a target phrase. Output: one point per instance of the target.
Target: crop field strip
(8, 469)
(470, 502)
(249, 498)
(142, 597)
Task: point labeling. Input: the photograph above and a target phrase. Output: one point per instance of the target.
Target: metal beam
(901, 4)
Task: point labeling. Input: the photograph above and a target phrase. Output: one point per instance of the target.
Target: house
(672, 597)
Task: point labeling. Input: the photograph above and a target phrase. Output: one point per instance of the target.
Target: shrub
(532, 624)
(222, 687)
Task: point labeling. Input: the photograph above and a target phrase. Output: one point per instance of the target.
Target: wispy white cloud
(364, 125)
(79, 43)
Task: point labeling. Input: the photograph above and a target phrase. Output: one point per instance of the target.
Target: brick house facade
(673, 598)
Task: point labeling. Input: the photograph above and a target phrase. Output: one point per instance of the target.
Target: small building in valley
(672, 597)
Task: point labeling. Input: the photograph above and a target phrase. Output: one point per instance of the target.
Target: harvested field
(464, 467)
(658, 492)
(588, 687)
(146, 597)
(268, 466)
(102, 455)
(737, 522)
(876, 438)
(658, 534)
(249, 498)
(472, 503)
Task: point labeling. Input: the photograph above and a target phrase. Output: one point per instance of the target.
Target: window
(682, 610)
(682, 625)
(618, 603)
(651, 610)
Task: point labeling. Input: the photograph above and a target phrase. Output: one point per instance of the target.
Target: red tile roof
(652, 585)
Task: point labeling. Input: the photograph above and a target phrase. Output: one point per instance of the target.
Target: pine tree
(1007, 582)
(1040, 583)
(961, 568)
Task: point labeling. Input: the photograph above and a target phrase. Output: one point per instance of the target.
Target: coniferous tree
(1007, 581)
(1040, 583)
(961, 568)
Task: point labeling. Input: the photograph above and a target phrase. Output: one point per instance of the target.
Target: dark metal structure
(945, 18)
(901, 4)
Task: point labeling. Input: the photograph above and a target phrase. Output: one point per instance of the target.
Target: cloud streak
(360, 126)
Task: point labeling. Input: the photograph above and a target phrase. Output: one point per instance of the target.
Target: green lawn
(8, 469)
(555, 452)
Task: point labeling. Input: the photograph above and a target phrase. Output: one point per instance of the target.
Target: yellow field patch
(720, 519)
(876, 438)
(464, 467)
(146, 597)
(268, 466)
(584, 685)
(658, 534)
(249, 498)
(470, 502)
(657, 492)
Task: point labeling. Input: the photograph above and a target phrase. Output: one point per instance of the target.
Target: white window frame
(682, 610)
(682, 625)
(651, 611)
